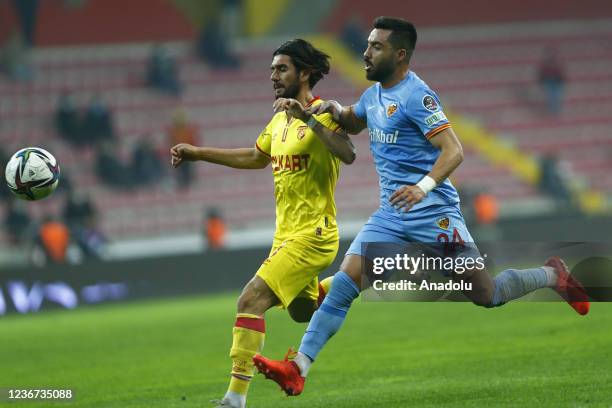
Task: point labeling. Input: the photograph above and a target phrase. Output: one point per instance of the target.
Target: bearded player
(305, 151)
(415, 150)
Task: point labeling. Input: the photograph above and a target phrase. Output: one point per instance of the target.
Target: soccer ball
(32, 174)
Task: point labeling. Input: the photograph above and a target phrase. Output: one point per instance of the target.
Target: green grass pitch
(173, 353)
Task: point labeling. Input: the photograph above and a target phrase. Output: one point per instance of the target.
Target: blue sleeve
(360, 107)
(423, 108)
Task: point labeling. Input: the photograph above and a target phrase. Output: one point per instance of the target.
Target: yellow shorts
(293, 266)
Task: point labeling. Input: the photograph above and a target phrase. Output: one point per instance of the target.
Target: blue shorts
(434, 224)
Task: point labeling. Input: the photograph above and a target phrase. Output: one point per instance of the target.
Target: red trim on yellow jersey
(313, 100)
(259, 148)
(316, 98)
(437, 130)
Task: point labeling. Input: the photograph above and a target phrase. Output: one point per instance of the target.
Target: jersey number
(451, 247)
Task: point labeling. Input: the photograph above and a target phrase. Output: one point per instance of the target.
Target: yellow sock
(238, 385)
(326, 283)
(248, 340)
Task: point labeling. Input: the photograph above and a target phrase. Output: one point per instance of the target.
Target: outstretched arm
(245, 158)
(336, 142)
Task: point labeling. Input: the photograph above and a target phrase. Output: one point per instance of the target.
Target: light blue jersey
(401, 120)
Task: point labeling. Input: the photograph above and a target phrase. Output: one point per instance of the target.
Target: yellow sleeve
(327, 120)
(264, 141)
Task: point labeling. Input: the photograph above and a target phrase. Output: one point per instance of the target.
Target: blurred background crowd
(109, 86)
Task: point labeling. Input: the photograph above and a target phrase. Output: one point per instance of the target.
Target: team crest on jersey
(391, 108)
(301, 132)
(430, 103)
(443, 223)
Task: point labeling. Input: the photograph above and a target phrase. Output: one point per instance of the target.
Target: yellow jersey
(305, 175)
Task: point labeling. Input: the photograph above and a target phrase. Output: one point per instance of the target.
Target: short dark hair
(305, 56)
(403, 33)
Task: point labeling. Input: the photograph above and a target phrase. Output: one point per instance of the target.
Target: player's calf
(482, 286)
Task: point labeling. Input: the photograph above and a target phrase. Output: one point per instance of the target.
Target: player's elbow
(456, 153)
(261, 164)
(258, 161)
(349, 158)
(459, 155)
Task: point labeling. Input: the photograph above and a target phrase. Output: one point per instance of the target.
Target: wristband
(312, 122)
(427, 184)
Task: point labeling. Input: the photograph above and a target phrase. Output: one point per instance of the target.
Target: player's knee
(483, 303)
(483, 298)
(256, 298)
(351, 265)
(246, 301)
(482, 287)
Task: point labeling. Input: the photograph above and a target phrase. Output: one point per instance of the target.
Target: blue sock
(327, 320)
(513, 283)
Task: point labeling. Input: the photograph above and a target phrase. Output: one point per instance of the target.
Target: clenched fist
(183, 152)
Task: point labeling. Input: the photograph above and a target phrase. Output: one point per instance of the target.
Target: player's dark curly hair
(306, 57)
(403, 33)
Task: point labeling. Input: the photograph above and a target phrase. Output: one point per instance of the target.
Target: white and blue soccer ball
(32, 174)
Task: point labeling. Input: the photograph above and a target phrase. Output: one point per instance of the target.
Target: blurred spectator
(552, 78)
(110, 169)
(146, 164)
(17, 222)
(98, 121)
(214, 229)
(213, 47)
(67, 121)
(552, 181)
(15, 59)
(81, 218)
(5, 193)
(182, 131)
(486, 212)
(92, 242)
(27, 11)
(486, 208)
(231, 19)
(54, 238)
(78, 211)
(162, 72)
(354, 36)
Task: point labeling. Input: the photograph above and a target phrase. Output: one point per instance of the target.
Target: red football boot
(569, 288)
(283, 372)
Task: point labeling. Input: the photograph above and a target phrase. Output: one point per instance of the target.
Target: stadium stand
(492, 79)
